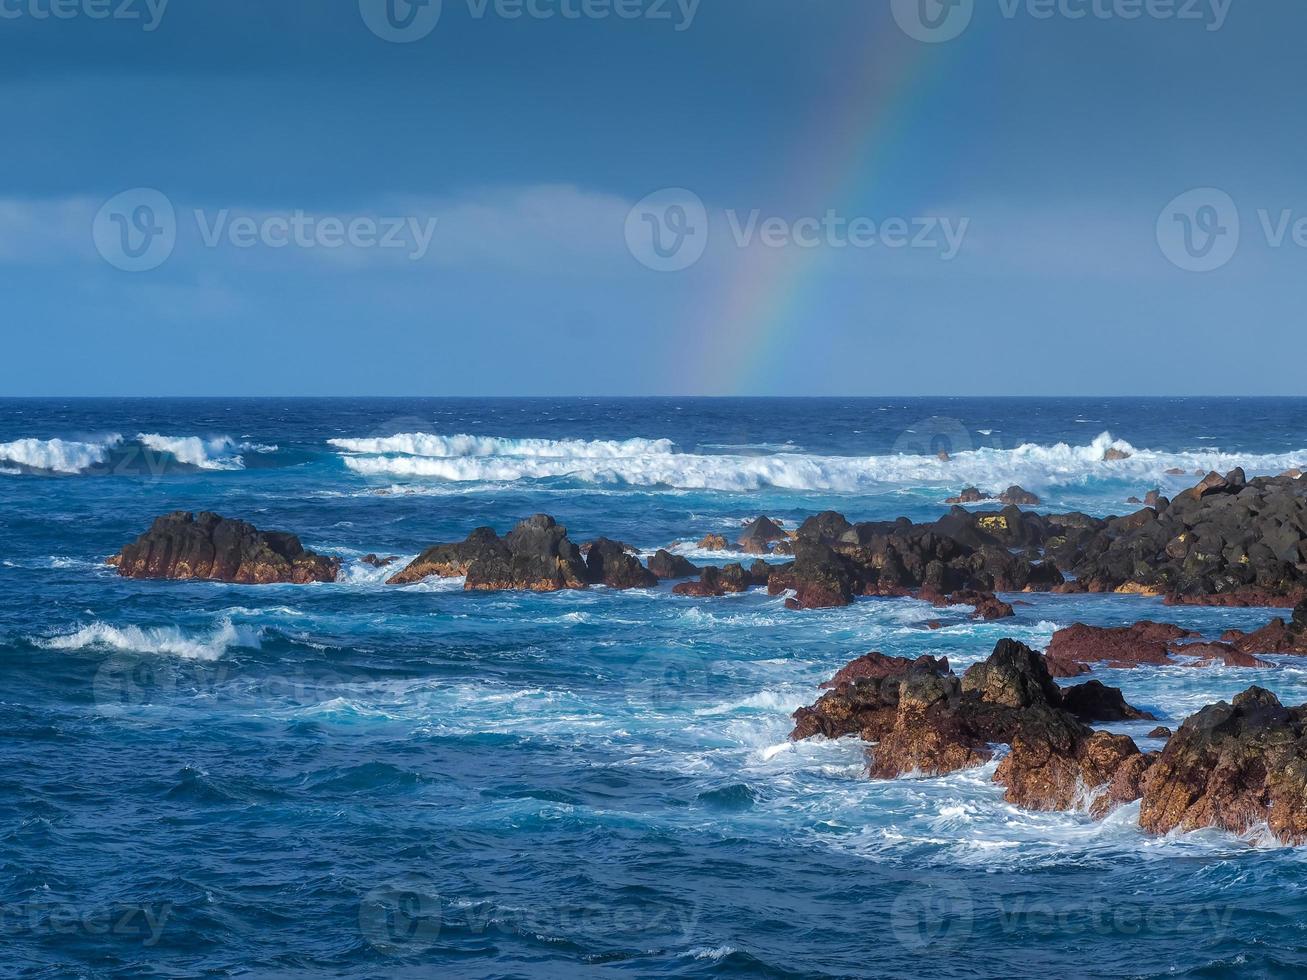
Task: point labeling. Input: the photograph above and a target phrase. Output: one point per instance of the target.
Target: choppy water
(357, 780)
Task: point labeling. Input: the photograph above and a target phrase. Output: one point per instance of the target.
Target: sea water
(363, 780)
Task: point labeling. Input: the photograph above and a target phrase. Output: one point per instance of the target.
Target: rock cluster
(183, 545)
(923, 719)
(1075, 649)
(1228, 540)
(1235, 766)
(834, 561)
(1014, 495)
(535, 556)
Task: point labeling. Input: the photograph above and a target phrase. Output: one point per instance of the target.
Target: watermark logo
(937, 21)
(933, 915)
(936, 436)
(136, 231)
(148, 13)
(136, 923)
(406, 21)
(401, 919)
(401, 21)
(1199, 231)
(668, 230)
(933, 21)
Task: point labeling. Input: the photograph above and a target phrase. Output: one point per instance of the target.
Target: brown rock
(1144, 642)
(1232, 767)
(185, 546)
(713, 542)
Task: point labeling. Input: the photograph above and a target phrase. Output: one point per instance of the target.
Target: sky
(642, 197)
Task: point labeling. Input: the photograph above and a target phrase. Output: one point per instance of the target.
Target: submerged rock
(183, 546)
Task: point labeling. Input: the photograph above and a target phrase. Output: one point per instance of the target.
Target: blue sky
(1033, 160)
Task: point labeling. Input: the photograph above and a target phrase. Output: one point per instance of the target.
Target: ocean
(354, 779)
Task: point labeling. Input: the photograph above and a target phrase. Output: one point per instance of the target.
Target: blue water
(357, 780)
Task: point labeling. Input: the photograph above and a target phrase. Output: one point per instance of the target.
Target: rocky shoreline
(1233, 767)
(1227, 541)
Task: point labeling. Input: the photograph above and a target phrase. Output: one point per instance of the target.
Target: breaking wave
(651, 463)
(55, 455)
(165, 640)
(214, 453)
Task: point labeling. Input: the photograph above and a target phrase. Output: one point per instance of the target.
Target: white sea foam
(450, 447)
(56, 455)
(211, 453)
(656, 463)
(163, 640)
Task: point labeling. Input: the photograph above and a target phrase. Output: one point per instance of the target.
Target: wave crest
(55, 455)
(163, 640)
(213, 453)
(652, 463)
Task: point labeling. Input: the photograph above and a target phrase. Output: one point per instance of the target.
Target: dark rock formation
(731, 578)
(758, 536)
(378, 562)
(834, 561)
(987, 605)
(971, 495)
(609, 563)
(1276, 637)
(452, 560)
(1074, 648)
(1095, 701)
(713, 542)
(666, 565)
(1228, 541)
(1161, 731)
(926, 720)
(1233, 767)
(1016, 496)
(877, 666)
(185, 546)
(535, 556)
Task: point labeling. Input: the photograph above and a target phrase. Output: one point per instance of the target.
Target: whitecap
(56, 455)
(162, 640)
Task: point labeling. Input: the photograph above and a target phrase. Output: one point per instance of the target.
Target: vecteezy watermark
(937, 21)
(1201, 230)
(135, 922)
(137, 231)
(148, 13)
(938, 913)
(669, 230)
(406, 21)
(405, 919)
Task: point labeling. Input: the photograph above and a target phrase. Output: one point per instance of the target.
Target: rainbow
(750, 323)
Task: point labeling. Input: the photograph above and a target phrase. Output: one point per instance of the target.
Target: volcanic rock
(666, 565)
(608, 563)
(1233, 766)
(184, 546)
